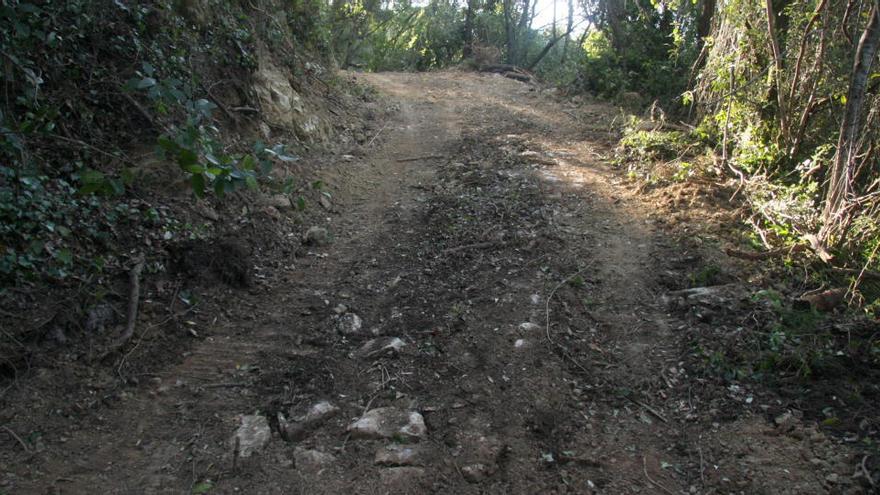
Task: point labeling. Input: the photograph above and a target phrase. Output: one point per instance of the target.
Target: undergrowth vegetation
(86, 85)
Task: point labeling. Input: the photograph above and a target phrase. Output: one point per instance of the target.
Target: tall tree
(568, 30)
(840, 183)
(468, 37)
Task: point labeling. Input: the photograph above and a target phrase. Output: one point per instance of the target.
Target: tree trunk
(525, 20)
(510, 31)
(778, 66)
(568, 29)
(549, 46)
(704, 22)
(614, 13)
(468, 49)
(840, 180)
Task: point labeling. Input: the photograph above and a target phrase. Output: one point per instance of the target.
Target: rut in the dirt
(420, 351)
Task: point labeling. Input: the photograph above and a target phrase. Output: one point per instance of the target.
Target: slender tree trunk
(510, 30)
(568, 29)
(614, 13)
(549, 46)
(704, 22)
(778, 66)
(525, 21)
(468, 37)
(840, 180)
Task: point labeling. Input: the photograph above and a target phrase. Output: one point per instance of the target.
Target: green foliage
(653, 145)
(195, 145)
(68, 118)
(43, 221)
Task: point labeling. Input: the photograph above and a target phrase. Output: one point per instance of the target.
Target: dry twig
(17, 438)
(655, 483)
(134, 295)
(417, 158)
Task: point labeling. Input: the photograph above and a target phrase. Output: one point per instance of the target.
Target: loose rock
(476, 473)
(279, 201)
(389, 422)
(316, 236)
(349, 324)
(311, 460)
(401, 455)
(529, 326)
(299, 427)
(252, 435)
(380, 346)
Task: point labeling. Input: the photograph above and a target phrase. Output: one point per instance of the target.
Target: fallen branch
(377, 135)
(655, 483)
(518, 76)
(417, 158)
(134, 294)
(649, 408)
(17, 438)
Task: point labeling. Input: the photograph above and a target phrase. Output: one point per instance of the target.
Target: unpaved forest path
(484, 199)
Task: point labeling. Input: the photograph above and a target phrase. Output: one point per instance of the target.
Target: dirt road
(488, 317)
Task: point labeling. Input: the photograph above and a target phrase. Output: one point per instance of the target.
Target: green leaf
(147, 82)
(251, 181)
(65, 257)
(29, 8)
(248, 162)
(116, 186)
(91, 176)
(301, 203)
(202, 488)
(127, 176)
(205, 107)
(186, 157)
(198, 185)
(166, 144)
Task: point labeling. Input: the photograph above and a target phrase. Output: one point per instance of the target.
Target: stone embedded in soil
(311, 460)
(389, 422)
(521, 344)
(277, 201)
(349, 324)
(299, 427)
(477, 472)
(316, 236)
(402, 455)
(252, 435)
(529, 327)
(480, 456)
(382, 346)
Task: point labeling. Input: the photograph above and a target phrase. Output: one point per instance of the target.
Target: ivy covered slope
(124, 123)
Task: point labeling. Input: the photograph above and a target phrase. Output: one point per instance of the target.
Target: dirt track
(486, 232)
